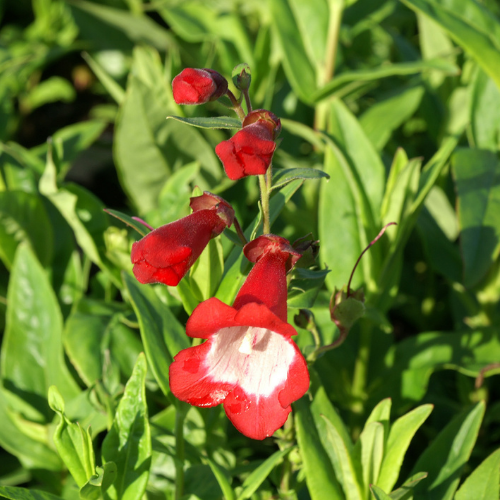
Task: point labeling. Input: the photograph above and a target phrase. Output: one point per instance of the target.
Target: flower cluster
(248, 361)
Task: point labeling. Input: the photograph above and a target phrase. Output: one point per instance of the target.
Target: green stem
(236, 105)
(360, 372)
(180, 415)
(264, 196)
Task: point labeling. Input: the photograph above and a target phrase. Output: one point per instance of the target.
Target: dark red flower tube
(166, 254)
(249, 362)
(198, 86)
(250, 150)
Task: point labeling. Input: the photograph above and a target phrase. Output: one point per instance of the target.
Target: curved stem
(239, 231)
(236, 105)
(247, 100)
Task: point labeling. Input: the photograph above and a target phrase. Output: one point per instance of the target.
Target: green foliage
(390, 113)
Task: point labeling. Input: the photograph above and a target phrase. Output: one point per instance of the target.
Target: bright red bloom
(166, 254)
(250, 150)
(249, 362)
(198, 86)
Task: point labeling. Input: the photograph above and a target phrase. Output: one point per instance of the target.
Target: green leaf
(477, 177)
(483, 483)
(305, 286)
(126, 219)
(385, 116)
(128, 443)
(236, 265)
(112, 87)
(471, 25)
(32, 350)
(400, 436)
(447, 454)
(24, 218)
(222, 478)
(320, 476)
(83, 339)
(336, 85)
(411, 362)
(485, 112)
(349, 466)
(205, 275)
(162, 335)
(257, 477)
(144, 137)
(73, 444)
(97, 485)
(33, 454)
(53, 89)
(379, 494)
(14, 493)
(221, 122)
(299, 70)
(405, 491)
(284, 176)
(139, 29)
(372, 451)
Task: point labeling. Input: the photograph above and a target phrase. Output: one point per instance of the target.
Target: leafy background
(398, 102)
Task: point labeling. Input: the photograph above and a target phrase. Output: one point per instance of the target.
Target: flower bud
(198, 86)
(242, 76)
(344, 310)
(250, 151)
(309, 249)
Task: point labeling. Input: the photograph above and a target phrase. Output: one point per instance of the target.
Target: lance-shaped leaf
(477, 176)
(320, 476)
(379, 493)
(448, 453)
(483, 483)
(15, 493)
(226, 122)
(32, 350)
(405, 491)
(257, 477)
(128, 443)
(162, 335)
(73, 444)
(471, 25)
(97, 485)
(350, 467)
(400, 436)
(284, 176)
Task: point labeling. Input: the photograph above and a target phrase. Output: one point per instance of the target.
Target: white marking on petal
(254, 358)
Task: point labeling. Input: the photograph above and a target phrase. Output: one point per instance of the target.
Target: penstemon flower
(166, 254)
(250, 151)
(198, 86)
(248, 362)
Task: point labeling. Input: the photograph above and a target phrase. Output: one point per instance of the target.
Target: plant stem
(247, 100)
(240, 232)
(360, 371)
(264, 195)
(236, 105)
(180, 415)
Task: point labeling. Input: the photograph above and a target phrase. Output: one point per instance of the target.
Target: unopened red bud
(198, 86)
(264, 118)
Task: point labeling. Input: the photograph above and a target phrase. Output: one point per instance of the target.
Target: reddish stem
(363, 252)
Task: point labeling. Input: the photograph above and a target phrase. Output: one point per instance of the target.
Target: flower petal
(259, 315)
(254, 416)
(297, 381)
(190, 379)
(209, 317)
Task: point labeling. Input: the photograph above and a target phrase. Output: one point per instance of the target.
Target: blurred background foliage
(398, 101)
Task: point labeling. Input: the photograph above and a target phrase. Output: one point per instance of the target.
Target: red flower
(249, 362)
(198, 86)
(250, 151)
(166, 254)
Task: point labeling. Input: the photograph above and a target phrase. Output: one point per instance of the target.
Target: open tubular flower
(248, 362)
(198, 86)
(250, 150)
(166, 254)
